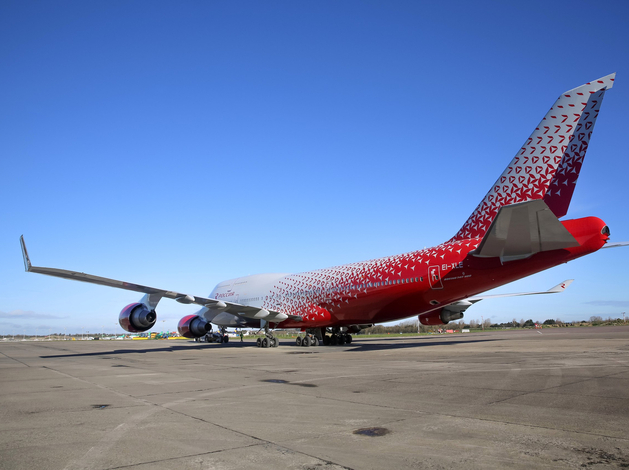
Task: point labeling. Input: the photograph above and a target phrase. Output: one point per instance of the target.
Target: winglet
(27, 260)
(615, 245)
(561, 287)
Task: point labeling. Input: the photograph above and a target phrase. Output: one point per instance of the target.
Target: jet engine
(356, 328)
(136, 318)
(439, 317)
(193, 326)
(451, 312)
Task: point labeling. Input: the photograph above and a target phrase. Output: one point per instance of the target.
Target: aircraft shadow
(386, 344)
(369, 346)
(131, 351)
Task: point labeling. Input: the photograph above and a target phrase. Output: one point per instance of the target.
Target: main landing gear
(307, 340)
(319, 336)
(225, 338)
(269, 340)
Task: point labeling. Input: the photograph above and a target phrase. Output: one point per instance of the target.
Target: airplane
(514, 232)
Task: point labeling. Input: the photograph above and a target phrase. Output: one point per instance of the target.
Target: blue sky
(177, 144)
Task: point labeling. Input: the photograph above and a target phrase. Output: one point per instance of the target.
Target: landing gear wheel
(298, 341)
(348, 339)
(326, 340)
(306, 341)
(315, 341)
(219, 339)
(265, 342)
(334, 340)
(275, 343)
(259, 342)
(341, 340)
(225, 339)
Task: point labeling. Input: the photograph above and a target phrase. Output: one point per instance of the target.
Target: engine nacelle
(193, 326)
(356, 328)
(439, 317)
(136, 318)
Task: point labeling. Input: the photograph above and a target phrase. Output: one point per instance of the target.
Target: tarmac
(555, 398)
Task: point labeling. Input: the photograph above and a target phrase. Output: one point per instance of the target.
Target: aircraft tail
(548, 164)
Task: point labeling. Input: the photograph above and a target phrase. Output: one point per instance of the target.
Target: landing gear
(312, 337)
(224, 338)
(338, 337)
(219, 336)
(269, 340)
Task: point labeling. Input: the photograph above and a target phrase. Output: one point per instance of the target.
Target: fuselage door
(434, 277)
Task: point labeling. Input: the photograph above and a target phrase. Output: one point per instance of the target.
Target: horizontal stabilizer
(523, 229)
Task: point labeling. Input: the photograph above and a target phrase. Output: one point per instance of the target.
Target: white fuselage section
(248, 290)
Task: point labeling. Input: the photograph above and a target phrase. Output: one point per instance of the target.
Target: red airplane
(514, 232)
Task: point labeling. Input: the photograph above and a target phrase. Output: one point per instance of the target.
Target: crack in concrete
(545, 390)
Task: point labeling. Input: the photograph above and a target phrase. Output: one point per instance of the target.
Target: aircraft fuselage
(392, 288)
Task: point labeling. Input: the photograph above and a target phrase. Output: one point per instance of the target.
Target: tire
(334, 340)
(315, 341)
(306, 341)
(276, 343)
(348, 339)
(219, 339)
(341, 340)
(225, 339)
(326, 340)
(298, 341)
(259, 342)
(265, 342)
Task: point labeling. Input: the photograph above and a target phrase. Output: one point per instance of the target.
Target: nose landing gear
(269, 340)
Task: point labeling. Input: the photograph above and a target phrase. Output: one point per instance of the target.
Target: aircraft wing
(229, 307)
(454, 311)
(559, 288)
(615, 245)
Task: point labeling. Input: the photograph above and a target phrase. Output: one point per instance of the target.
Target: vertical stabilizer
(548, 164)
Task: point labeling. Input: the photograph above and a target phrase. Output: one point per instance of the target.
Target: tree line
(413, 326)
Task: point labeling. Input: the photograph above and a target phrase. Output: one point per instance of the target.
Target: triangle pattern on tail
(548, 164)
